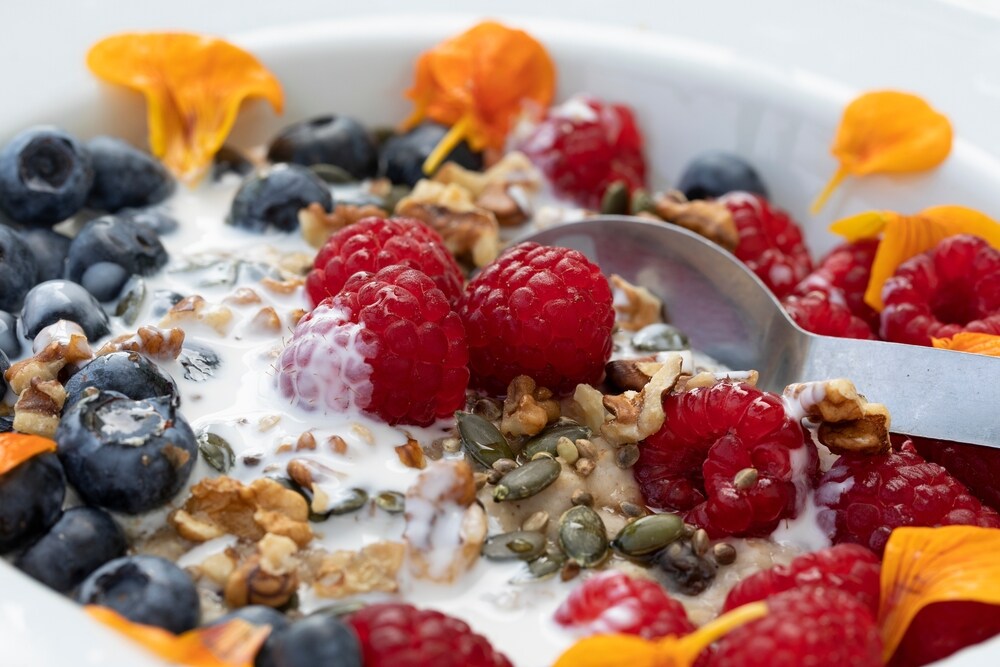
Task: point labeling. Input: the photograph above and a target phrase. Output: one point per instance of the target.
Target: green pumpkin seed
(332, 174)
(545, 566)
(520, 544)
(350, 501)
(548, 440)
(130, 304)
(216, 451)
(615, 199)
(392, 502)
(482, 440)
(648, 534)
(529, 479)
(660, 337)
(642, 202)
(582, 536)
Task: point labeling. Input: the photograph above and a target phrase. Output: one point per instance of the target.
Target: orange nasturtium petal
(887, 132)
(16, 448)
(922, 566)
(478, 82)
(969, 341)
(194, 86)
(231, 644)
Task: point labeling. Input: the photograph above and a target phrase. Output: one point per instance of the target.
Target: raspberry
(613, 602)
(771, 244)
(942, 628)
(375, 243)
(953, 287)
(396, 635)
(976, 467)
(843, 276)
(816, 312)
(585, 145)
(712, 433)
(805, 626)
(388, 343)
(847, 567)
(538, 311)
(862, 498)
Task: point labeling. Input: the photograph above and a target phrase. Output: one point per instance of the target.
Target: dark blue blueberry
(256, 614)
(128, 373)
(31, 498)
(81, 541)
(230, 161)
(104, 280)
(45, 175)
(50, 249)
(274, 197)
(714, 173)
(10, 342)
(158, 220)
(6, 424)
(125, 455)
(4, 367)
(125, 176)
(18, 269)
(55, 300)
(320, 639)
(144, 589)
(401, 159)
(337, 140)
(112, 238)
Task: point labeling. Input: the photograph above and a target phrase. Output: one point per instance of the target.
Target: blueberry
(230, 161)
(45, 175)
(104, 280)
(256, 614)
(81, 541)
(31, 498)
(144, 589)
(111, 238)
(10, 342)
(274, 197)
(50, 249)
(6, 424)
(18, 269)
(159, 221)
(337, 140)
(4, 367)
(402, 157)
(714, 173)
(125, 455)
(55, 300)
(320, 639)
(128, 373)
(125, 176)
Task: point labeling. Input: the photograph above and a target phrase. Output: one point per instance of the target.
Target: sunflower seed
(529, 479)
(700, 542)
(567, 451)
(482, 440)
(504, 466)
(520, 544)
(548, 440)
(745, 479)
(648, 534)
(392, 502)
(724, 553)
(536, 522)
(582, 536)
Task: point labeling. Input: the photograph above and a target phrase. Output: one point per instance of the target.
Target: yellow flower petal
(968, 341)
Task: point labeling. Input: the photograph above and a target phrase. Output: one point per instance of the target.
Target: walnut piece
(637, 415)
(38, 408)
(411, 454)
(268, 577)
(373, 569)
(641, 307)
(194, 309)
(468, 231)
(512, 169)
(631, 374)
(527, 407)
(706, 218)
(153, 342)
(587, 407)
(317, 225)
(847, 421)
(707, 379)
(59, 345)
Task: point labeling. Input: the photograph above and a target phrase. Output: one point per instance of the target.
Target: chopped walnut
(468, 231)
(637, 415)
(218, 567)
(847, 421)
(317, 225)
(411, 454)
(269, 577)
(194, 309)
(242, 296)
(498, 200)
(38, 408)
(153, 342)
(631, 374)
(641, 307)
(527, 408)
(61, 344)
(706, 218)
(587, 407)
(706, 379)
(266, 320)
(373, 569)
(513, 169)
(286, 286)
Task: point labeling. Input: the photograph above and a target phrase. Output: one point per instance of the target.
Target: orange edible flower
(477, 83)
(905, 236)
(194, 86)
(887, 132)
(16, 448)
(230, 644)
(968, 341)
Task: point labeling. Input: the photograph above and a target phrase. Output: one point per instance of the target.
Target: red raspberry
(613, 602)
(953, 287)
(710, 434)
(942, 628)
(815, 312)
(862, 498)
(375, 243)
(770, 244)
(399, 635)
(388, 343)
(847, 567)
(805, 626)
(843, 276)
(976, 467)
(538, 311)
(585, 145)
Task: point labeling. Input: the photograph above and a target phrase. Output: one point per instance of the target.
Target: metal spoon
(729, 314)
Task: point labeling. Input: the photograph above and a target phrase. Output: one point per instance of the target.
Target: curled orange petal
(887, 132)
(194, 86)
(968, 341)
(16, 448)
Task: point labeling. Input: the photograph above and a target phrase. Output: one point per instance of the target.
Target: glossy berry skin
(395, 634)
(843, 276)
(124, 455)
(715, 173)
(55, 300)
(125, 177)
(18, 269)
(50, 249)
(712, 433)
(144, 589)
(818, 627)
(851, 568)
(943, 628)
(10, 344)
(104, 280)
(274, 197)
(375, 243)
(156, 220)
(817, 313)
(540, 311)
(862, 498)
(388, 343)
(612, 602)
(953, 287)
(81, 541)
(584, 145)
(771, 243)
(975, 466)
(401, 158)
(319, 639)
(128, 373)
(115, 239)
(45, 175)
(31, 498)
(338, 140)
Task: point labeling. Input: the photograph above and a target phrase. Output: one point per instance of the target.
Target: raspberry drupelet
(842, 275)
(816, 312)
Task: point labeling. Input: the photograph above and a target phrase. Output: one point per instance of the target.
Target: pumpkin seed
(332, 174)
(548, 440)
(543, 567)
(349, 501)
(133, 295)
(526, 481)
(520, 544)
(392, 502)
(660, 337)
(615, 199)
(216, 451)
(642, 202)
(582, 536)
(482, 440)
(648, 534)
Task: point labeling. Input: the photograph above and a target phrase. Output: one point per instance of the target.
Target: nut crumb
(641, 307)
(153, 342)
(527, 408)
(317, 225)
